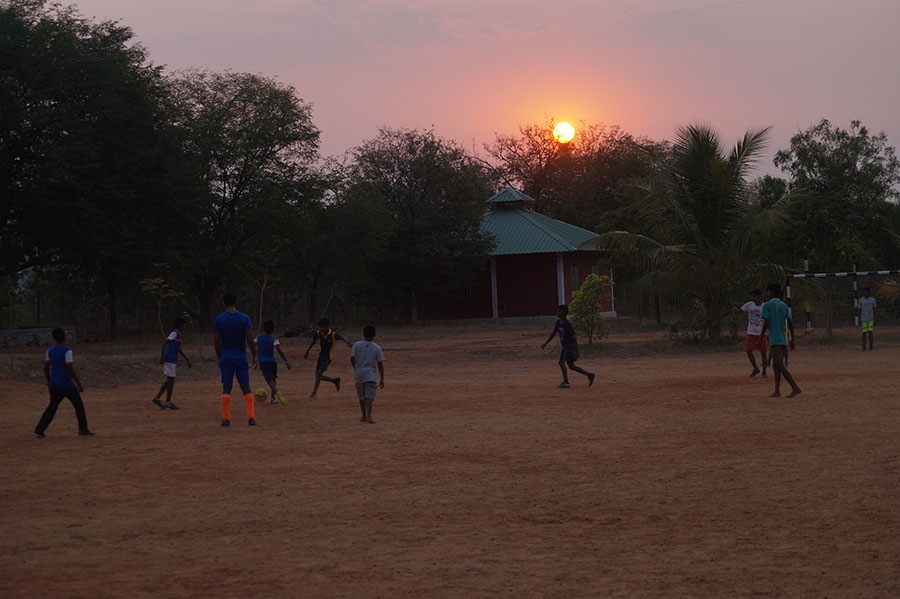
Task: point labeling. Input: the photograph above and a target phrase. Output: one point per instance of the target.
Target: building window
(471, 289)
(574, 279)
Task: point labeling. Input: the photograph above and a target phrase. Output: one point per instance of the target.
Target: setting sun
(563, 132)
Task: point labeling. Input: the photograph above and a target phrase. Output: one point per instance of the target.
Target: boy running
(569, 343)
(62, 383)
(366, 355)
(775, 314)
(168, 357)
(755, 339)
(268, 365)
(327, 337)
(865, 309)
(232, 329)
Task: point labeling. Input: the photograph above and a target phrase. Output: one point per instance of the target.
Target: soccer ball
(260, 395)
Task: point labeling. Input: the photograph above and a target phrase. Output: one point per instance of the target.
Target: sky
(472, 69)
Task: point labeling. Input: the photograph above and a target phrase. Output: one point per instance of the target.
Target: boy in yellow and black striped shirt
(326, 336)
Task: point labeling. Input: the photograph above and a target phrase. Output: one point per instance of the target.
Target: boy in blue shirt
(232, 336)
(569, 343)
(266, 345)
(62, 383)
(168, 357)
(775, 314)
(326, 336)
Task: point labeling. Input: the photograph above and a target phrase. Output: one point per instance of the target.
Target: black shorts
(323, 362)
(568, 356)
(269, 371)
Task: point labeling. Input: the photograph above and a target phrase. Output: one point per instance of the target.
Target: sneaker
(564, 385)
(337, 384)
(251, 422)
(272, 400)
(170, 405)
(591, 378)
(226, 423)
(38, 435)
(86, 433)
(281, 398)
(313, 397)
(158, 403)
(764, 375)
(755, 372)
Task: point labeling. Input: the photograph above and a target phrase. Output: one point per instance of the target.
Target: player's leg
(75, 397)
(227, 369)
(762, 359)
(369, 391)
(242, 373)
(369, 403)
(361, 396)
(752, 359)
(49, 412)
(775, 353)
(871, 335)
(162, 389)
(170, 388)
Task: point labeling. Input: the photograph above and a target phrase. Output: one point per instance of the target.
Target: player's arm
(549, 339)
(281, 353)
(217, 343)
(381, 374)
(162, 352)
(311, 343)
(344, 339)
(71, 368)
(186, 359)
(47, 371)
(251, 343)
(790, 325)
(353, 361)
(765, 327)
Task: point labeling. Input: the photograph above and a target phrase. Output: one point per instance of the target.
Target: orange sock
(251, 411)
(226, 407)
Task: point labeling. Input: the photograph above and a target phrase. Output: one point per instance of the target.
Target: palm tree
(698, 226)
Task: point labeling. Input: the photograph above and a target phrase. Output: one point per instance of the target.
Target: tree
(587, 307)
(253, 144)
(434, 194)
(697, 228)
(848, 181)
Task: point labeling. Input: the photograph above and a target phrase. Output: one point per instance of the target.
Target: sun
(563, 132)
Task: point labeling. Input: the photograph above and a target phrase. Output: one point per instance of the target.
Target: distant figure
(755, 339)
(168, 357)
(326, 336)
(569, 343)
(267, 344)
(775, 315)
(365, 357)
(62, 383)
(865, 309)
(233, 335)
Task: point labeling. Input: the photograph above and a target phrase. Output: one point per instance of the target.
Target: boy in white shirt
(755, 339)
(865, 308)
(365, 357)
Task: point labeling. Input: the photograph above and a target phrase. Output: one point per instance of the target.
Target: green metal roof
(509, 195)
(520, 231)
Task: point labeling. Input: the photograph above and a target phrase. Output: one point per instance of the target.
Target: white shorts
(366, 391)
(169, 369)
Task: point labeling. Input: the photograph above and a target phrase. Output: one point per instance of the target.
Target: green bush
(587, 305)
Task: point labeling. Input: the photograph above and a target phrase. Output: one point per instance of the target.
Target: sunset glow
(563, 132)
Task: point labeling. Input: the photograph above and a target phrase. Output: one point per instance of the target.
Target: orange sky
(473, 68)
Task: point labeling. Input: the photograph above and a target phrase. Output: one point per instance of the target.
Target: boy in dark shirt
(569, 343)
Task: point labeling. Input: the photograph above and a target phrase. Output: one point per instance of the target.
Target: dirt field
(675, 475)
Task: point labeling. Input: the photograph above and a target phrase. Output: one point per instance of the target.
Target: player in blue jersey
(232, 337)
(267, 345)
(168, 357)
(62, 382)
(569, 343)
(775, 315)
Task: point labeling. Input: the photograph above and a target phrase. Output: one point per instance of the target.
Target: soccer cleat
(86, 433)
(313, 397)
(226, 423)
(273, 400)
(564, 385)
(281, 398)
(337, 384)
(158, 403)
(754, 372)
(591, 378)
(251, 422)
(170, 405)
(38, 435)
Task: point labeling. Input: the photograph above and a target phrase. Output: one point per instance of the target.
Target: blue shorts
(235, 365)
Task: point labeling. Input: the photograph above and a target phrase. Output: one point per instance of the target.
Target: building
(537, 263)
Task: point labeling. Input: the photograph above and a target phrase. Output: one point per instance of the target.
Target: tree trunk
(714, 320)
(311, 303)
(113, 311)
(656, 305)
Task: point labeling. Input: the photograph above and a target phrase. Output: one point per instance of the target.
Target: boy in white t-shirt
(755, 339)
(365, 357)
(865, 309)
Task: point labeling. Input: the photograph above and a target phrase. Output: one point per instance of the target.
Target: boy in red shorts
(755, 338)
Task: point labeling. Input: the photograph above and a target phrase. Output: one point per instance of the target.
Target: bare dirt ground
(675, 475)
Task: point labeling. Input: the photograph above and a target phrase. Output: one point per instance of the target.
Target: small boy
(327, 337)
(364, 357)
(266, 345)
(569, 343)
(62, 383)
(755, 340)
(775, 315)
(171, 347)
(865, 309)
